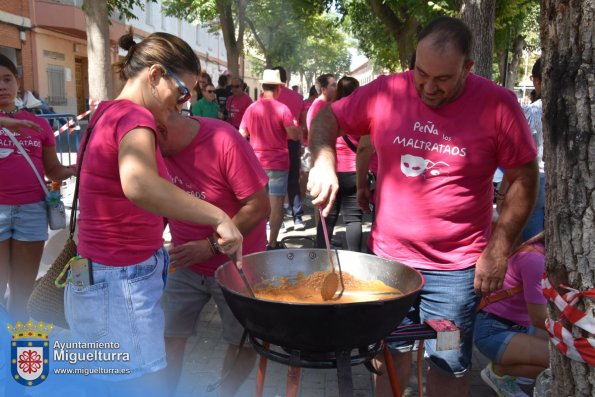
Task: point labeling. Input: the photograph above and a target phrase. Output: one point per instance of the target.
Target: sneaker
(504, 386)
(287, 212)
(298, 224)
(524, 381)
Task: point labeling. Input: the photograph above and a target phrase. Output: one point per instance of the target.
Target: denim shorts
(277, 185)
(449, 295)
(122, 306)
(186, 294)
(25, 222)
(492, 336)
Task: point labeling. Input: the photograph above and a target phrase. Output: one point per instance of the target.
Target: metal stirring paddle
(242, 275)
(330, 283)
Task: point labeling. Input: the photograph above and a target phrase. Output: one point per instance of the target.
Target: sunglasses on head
(184, 92)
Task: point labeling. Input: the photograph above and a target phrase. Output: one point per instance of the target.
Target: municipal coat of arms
(29, 357)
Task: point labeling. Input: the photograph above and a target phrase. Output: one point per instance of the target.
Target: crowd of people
(403, 146)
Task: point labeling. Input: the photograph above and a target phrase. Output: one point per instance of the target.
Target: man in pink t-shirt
(269, 123)
(234, 181)
(439, 132)
(326, 86)
(237, 103)
(295, 103)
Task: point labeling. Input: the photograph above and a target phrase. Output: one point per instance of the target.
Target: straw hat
(270, 76)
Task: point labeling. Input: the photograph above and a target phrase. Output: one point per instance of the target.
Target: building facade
(47, 41)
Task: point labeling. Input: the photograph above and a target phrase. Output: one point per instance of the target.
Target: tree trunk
(401, 30)
(479, 15)
(569, 133)
(233, 46)
(513, 68)
(98, 49)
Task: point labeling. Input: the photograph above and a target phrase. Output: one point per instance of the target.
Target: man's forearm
(323, 136)
(517, 206)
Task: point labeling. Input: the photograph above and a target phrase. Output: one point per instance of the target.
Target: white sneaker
(504, 386)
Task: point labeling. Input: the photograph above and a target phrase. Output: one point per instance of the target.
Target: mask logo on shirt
(5, 152)
(412, 166)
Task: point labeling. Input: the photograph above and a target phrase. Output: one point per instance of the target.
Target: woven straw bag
(47, 300)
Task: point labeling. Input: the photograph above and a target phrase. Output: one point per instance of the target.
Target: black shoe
(277, 247)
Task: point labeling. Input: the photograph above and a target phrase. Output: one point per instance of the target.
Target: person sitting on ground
(233, 180)
(510, 328)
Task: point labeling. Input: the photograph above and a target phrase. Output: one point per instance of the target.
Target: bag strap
(350, 144)
(26, 156)
(92, 122)
(498, 296)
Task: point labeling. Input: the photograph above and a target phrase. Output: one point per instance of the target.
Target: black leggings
(346, 203)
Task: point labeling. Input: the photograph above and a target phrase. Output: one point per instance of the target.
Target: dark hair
(447, 30)
(238, 79)
(312, 91)
(282, 73)
(322, 81)
(345, 86)
(160, 48)
(8, 64)
(536, 70)
(222, 80)
(270, 87)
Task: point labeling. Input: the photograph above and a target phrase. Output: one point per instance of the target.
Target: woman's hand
(229, 238)
(10, 123)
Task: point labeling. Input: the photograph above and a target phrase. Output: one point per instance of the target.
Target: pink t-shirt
(266, 120)
(526, 269)
(293, 101)
(435, 166)
(307, 105)
(112, 230)
(231, 174)
(236, 108)
(19, 183)
(346, 156)
(313, 110)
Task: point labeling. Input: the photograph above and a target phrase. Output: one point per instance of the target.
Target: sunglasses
(235, 86)
(184, 92)
(210, 91)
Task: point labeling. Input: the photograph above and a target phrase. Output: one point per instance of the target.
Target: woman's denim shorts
(122, 306)
(24, 222)
(492, 336)
(277, 185)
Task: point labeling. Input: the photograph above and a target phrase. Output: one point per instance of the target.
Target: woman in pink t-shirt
(346, 201)
(510, 330)
(124, 193)
(23, 210)
(233, 180)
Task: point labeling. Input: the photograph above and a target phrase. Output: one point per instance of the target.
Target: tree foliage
(302, 41)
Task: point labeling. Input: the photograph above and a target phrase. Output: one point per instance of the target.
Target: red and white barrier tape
(578, 349)
(72, 123)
